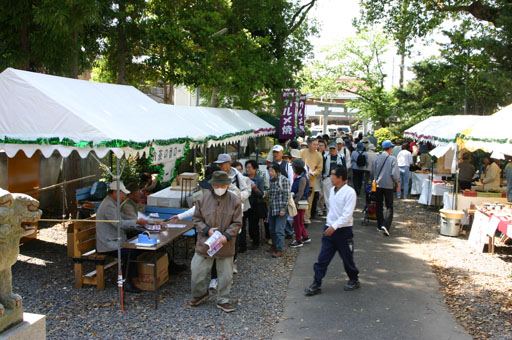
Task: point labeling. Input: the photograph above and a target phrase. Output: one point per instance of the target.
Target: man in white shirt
(286, 169)
(404, 161)
(338, 236)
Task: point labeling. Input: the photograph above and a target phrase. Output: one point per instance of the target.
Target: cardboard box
(146, 278)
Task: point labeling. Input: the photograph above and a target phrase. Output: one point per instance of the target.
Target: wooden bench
(84, 251)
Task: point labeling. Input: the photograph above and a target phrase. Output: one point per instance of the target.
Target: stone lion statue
(15, 211)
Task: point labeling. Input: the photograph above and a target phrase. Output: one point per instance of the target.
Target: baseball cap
(277, 148)
(339, 140)
(333, 146)
(387, 144)
(113, 186)
(223, 158)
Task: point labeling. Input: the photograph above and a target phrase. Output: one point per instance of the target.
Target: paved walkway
(399, 297)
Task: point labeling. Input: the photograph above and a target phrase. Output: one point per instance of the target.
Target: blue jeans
(276, 226)
(405, 175)
(288, 229)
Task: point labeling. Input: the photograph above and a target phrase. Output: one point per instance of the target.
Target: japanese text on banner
(287, 120)
(301, 114)
(167, 155)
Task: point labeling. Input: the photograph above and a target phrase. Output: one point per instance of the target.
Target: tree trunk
(121, 46)
(169, 93)
(76, 52)
(214, 100)
(24, 33)
(402, 67)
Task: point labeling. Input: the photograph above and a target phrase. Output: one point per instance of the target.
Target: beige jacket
(491, 178)
(224, 213)
(315, 162)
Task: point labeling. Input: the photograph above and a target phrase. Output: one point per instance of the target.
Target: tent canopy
(493, 133)
(440, 130)
(48, 113)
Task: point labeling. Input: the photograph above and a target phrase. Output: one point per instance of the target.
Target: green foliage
(354, 66)
(383, 134)
(130, 169)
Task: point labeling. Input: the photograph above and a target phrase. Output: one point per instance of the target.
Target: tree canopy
(240, 53)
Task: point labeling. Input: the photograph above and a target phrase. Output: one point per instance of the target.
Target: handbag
(302, 205)
(374, 182)
(290, 207)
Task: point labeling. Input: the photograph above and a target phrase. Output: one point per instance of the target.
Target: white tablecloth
(417, 181)
(432, 189)
(167, 198)
(464, 202)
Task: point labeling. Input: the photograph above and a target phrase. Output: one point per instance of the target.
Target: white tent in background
(48, 113)
(491, 134)
(442, 131)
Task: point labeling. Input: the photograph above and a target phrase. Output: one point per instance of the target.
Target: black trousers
(342, 242)
(254, 226)
(241, 240)
(358, 177)
(464, 185)
(387, 196)
(125, 255)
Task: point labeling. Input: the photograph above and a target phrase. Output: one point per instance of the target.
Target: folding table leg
(155, 276)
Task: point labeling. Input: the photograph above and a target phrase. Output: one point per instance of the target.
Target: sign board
(167, 155)
(287, 120)
(301, 113)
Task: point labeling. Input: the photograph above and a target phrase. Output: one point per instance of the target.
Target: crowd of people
(251, 205)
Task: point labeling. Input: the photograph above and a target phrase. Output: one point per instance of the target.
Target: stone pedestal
(32, 327)
(10, 318)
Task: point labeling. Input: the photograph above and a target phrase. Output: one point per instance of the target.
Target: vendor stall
(418, 179)
(433, 191)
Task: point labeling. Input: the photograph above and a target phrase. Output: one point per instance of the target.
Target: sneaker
(214, 283)
(352, 285)
(199, 300)
(313, 289)
(226, 307)
(278, 253)
(307, 221)
(295, 244)
(385, 231)
(306, 240)
(235, 269)
(379, 229)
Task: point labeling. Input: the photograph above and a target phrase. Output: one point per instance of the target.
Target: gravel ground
(477, 287)
(44, 277)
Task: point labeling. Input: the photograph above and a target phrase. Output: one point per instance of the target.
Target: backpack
(98, 191)
(361, 160)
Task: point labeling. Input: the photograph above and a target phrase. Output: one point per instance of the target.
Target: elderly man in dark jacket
(218, 210)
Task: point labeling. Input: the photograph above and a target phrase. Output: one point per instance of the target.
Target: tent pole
(456, 185)
(118, 212)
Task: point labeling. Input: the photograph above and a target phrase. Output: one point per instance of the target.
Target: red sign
(287, 121)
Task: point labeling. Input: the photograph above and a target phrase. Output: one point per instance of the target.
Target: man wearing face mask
(218, 210)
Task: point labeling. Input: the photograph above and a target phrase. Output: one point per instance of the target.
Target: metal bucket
(449, 226)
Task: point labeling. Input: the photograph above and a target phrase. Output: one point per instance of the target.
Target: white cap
(113, 186)
(277, 148)
(339, 140)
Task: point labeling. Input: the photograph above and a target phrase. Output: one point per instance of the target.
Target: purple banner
(301, 113)
(287, 121)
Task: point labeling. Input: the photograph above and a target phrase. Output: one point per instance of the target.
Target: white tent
(440, 130)
(220, 125)
(48, 113)
(491, 134)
